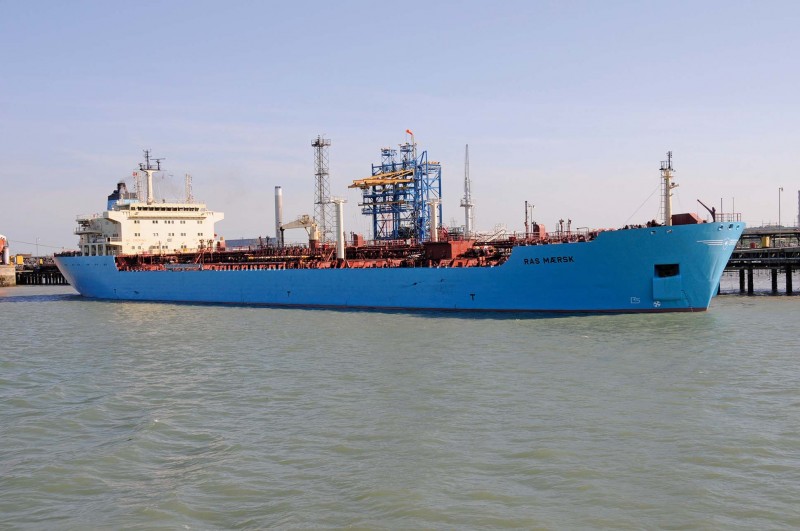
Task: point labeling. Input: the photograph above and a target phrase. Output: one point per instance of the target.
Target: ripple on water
(117, 415)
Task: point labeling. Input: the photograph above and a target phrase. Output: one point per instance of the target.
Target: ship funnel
(278, 214)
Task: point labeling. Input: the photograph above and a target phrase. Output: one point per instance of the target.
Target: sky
(569, 105)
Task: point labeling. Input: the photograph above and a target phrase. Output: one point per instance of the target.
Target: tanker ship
(141, 249)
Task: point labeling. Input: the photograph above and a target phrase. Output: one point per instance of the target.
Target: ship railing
(499, 233)
(83, 229)
(580, 234)
(105, 239)
(728, 217)
(87, 217)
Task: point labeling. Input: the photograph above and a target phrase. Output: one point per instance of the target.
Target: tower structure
(398, 194)
(188, 186)
(666, 189)
(148, 169)
(466, 201)
(323, 207)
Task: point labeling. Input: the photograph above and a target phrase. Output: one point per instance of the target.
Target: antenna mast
(323, 207)
(148, 169)
(466, 202)
(666, 189)
(189, 196)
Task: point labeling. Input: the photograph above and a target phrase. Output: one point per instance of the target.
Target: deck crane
(712, 210)
(304, 222)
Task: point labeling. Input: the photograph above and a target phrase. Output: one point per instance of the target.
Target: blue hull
(616, 272)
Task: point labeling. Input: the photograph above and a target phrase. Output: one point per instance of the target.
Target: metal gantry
(398, 193)
(323, 207)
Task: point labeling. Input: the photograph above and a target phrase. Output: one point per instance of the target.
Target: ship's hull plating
(616, 272)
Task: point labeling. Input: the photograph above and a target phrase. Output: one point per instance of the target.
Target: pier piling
(788, 279)
(773, 249)
(41, 278)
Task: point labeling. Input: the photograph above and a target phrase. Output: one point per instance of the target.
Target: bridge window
(667, 270)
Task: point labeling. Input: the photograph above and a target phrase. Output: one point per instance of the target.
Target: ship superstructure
(133, 225)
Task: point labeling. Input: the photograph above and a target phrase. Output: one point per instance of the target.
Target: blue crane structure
(400, 192)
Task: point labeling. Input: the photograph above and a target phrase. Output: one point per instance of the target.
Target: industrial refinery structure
(403, 194)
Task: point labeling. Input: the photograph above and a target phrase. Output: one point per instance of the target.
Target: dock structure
(7, 277)
(44, 276)
(773, 249)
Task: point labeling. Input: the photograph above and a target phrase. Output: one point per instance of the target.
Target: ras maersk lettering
(549, 260)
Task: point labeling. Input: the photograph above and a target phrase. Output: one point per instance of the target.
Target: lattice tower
(323, 207)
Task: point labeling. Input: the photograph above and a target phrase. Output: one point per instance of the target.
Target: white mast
(148, 169)
(666, 188)
(149, 186)
(466, 202)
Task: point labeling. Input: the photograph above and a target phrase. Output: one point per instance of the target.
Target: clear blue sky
(570, 105)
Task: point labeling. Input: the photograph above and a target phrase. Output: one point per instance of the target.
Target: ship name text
(549, 260)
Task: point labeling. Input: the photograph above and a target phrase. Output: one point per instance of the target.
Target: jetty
(775, 249)
(41, 276)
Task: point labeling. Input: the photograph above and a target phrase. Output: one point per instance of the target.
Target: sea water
(143, 416)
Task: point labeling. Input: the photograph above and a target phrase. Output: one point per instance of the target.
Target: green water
(142, 416)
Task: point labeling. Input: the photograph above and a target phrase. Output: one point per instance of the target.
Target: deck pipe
(434, 205)
(278, 215)
(340, 247)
